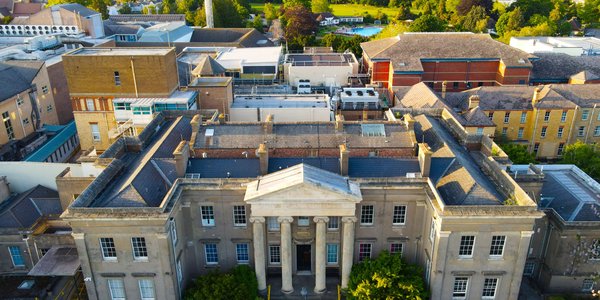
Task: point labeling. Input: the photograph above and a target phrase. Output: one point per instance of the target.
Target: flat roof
(236, 57)
(176, 97)
(210, 81)
(120, 51)
(317, 59)
(278, 103)
(569, 191)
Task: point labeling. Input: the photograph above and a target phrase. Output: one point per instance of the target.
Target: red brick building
(463, 60)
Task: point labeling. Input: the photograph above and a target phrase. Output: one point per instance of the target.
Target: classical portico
(297, 193)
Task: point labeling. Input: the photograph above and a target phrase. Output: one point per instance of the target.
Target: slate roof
(24, 9)
(20, 74)
(549, 98)
(570, 197)
(56, 141)
(241, 37)
(150, 173)
(113, 28)
(23, 210)
(584, 95)
(457, 177)
(4, 12)
(148, 18)
(559, 67)
(406, 50)
(494, 98)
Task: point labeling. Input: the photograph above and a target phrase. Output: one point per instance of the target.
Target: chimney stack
(424, 159)
(344, 159)
(409, 121)
(221, 119)
(268, 125)
(4, 189)
(444, 84)
(339, 123)
(536, 96)
(473, 101)
(208, 8)
(181, 154)
(263, 156)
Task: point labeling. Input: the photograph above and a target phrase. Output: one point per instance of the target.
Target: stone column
(258, 232)
(348, 249)
(286, 254)
(320, 254)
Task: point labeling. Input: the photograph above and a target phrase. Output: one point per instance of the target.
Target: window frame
(331, 223)
(581, 131)
(560, 131)
(139, 248)
(544, 131)
(108, 247)
(594, 250)
(466, 246)
(273, 255)
(506, 117)
(89, 107)
(207, 217)
(303, 221)
(587, 284)
(117, 78)
(395, 245)
(238, 214)
(462, 282)
(212, 255)
(487, 287)
(563, 117)
(597, 131)
(495, 247)
(96, 136)
(238, 253)
(121, 287)
(400, 214)
(273, 225)
(329, 252)
(18, 254)
(151, 287)
(547, 116)
(173, 232)
(585, 114)
(520, 132)
(362, 255)
(365, 211)
(523, 117)
(529, 269)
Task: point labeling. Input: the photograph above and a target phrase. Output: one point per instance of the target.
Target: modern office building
(185, 197)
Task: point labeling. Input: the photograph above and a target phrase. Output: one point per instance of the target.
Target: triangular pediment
(303, 183)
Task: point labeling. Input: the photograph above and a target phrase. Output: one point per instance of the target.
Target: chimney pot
(473, 101)
(444, 84)
(268, 125)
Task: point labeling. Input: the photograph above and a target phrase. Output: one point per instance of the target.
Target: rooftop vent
(372, 129)
(26, 284)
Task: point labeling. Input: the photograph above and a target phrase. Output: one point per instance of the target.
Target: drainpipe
(19, 113)
(573, 124)
(535, 115)
(590, 124)
(134, 80)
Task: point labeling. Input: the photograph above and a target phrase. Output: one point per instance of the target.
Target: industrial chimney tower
(208, 7)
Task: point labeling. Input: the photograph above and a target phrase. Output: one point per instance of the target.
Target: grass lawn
(261, 6)
(358, 9)
(343, 9)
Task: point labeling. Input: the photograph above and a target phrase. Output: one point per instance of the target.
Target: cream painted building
(307, 198)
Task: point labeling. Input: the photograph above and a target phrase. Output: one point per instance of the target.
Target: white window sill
(141, 259)
(496, 257)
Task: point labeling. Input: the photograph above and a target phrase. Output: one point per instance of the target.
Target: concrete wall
(60, 90)
(106, 122)
(319, 75)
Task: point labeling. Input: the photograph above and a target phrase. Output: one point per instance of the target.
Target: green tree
(332, 40)
(125, 9)
(300, 27)
(427, 23)
(271, 13)
(320, 6)
(531, 7)
(149, 9)
(472, 21)
(510, 21)
(386, 277)
(518, 154)
(200, 17)
(257, 24)
(585, 156)
(240, 283)
(589, 11)
(353, 45)
(101, 7)
(392, 29)
(292, 3)
(168, 7)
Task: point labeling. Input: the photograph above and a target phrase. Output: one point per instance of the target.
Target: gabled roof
(559, 67)
(406, 50)
(19, 74)
(208, 66)
(23, 210)
(477, 117)
(302, 174)
(585, 75)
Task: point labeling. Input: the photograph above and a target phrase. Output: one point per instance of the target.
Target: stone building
(185, 197)
(564, 255)
(25, 105)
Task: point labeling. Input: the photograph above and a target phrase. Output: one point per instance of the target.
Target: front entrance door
(303, 257)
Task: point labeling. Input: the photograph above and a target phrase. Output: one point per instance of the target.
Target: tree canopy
(300, 27)
(240, 283)
(427, 23)
(518, 154)
(585, 156)
(386, 277)
(320, 6)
